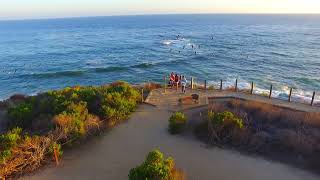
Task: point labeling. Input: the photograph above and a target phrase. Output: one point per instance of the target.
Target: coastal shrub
(8, 141)
(11, 138)
(125, 90)
(224, 120)
(177, 123)
(62, 98)
(4, 155)
(226, 125)
(222, 127)
(90, 96)
(66, 115)
(271, 131)
(115, 101)
(211, 87)
(58, 100)
(156, 167)
(26, 156)
(72, 121)
(265, 94)
(117, 107)
(21, 115)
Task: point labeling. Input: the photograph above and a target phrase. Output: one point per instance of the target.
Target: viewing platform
(170, 97)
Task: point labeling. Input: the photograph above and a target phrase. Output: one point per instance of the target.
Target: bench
(193, 99)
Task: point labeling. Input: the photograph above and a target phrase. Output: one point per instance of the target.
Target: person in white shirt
(183, 84)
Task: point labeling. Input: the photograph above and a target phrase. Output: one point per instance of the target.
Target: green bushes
(224, 119)
(114, 102)
(21, 115)
(156, 167)
(225, 126)
(177, 123)
(27, 155)
(73, 105)
(76, 122)
(116, 106)
(72, 121)
(221, 128)
(118, 101)
(62, 117)
(8, 141)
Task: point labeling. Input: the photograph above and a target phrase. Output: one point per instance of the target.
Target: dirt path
(112, 155)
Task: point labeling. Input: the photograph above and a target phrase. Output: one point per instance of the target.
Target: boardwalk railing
(235, 88)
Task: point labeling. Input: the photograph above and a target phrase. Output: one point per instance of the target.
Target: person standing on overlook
(172, 79)
(183, 84)
(176, 80)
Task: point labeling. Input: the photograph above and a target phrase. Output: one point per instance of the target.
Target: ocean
(282, 50)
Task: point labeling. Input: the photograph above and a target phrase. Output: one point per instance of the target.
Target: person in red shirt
(176, 80)
(172, 79)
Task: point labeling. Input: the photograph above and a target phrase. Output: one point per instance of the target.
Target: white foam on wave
(176, 42)
(93, 62)
(167, 42)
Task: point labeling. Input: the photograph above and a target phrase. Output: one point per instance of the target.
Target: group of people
(178, 80)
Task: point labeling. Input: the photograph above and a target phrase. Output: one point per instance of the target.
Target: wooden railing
(236, 89)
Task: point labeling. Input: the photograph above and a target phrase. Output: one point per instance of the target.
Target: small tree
(224, 124)
(177, 123)
(156, 168)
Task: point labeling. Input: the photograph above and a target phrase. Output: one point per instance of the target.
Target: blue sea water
(283, 50)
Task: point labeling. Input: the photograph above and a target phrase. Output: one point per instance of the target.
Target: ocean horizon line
(156, 14)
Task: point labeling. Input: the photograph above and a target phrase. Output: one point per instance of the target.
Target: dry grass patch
(278, 133)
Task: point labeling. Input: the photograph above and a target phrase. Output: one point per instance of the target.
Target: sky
(36, 9)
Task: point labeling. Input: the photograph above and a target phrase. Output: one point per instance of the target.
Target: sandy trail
(112, 155)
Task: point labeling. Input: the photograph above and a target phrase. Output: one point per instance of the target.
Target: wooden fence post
(165, 83)
(290, 94)
(221, 85)
(236, 86)
(251, 92)
(142, 98)
(194, 85)
(312, 100)
(205, 85)
(56, 156)
(191, 82)
(270, 94)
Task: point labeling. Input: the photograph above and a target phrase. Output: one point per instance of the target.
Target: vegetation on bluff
(39, 126)
(257, 128)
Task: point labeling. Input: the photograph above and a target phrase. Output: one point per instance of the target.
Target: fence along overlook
(208, 92)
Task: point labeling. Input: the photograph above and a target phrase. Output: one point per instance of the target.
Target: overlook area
(113, 154)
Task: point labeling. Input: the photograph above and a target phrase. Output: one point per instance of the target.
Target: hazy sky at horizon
(25, 9)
